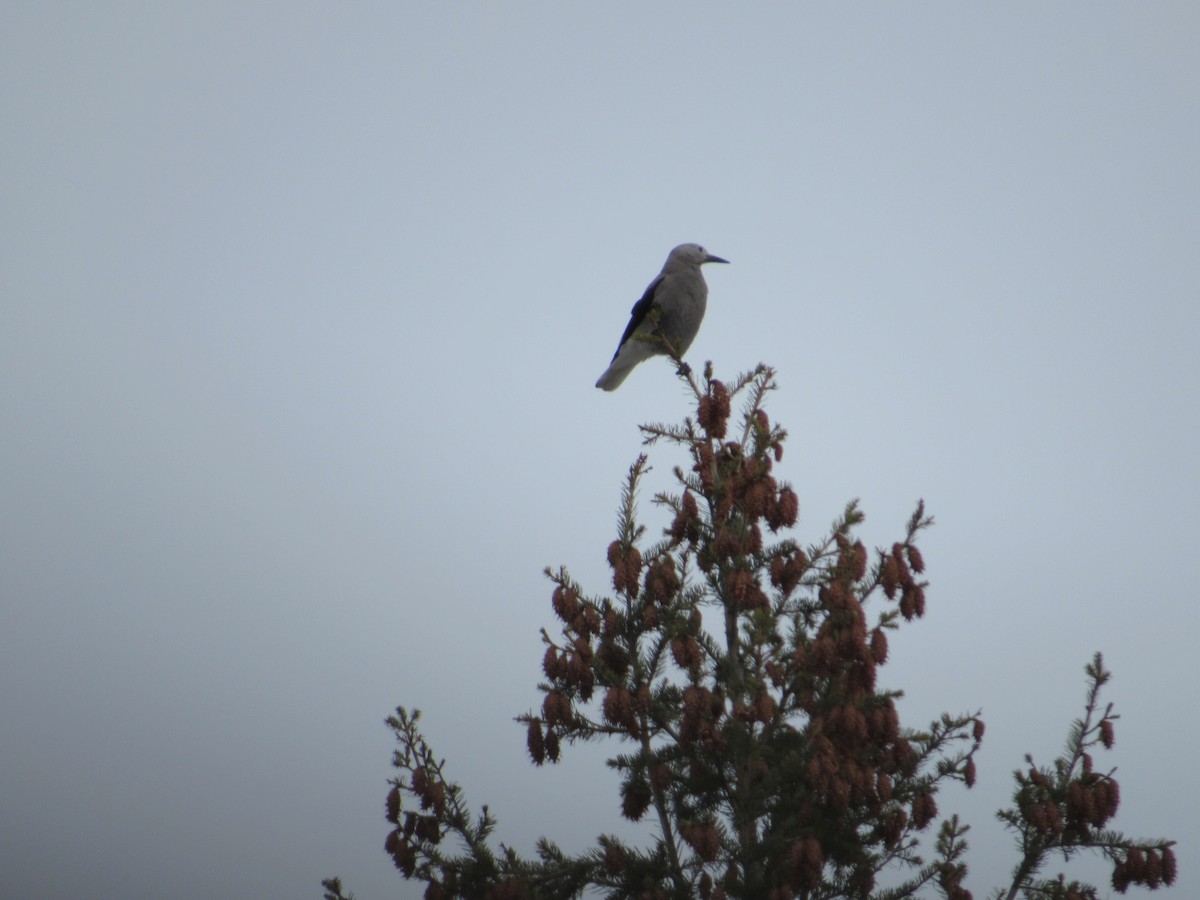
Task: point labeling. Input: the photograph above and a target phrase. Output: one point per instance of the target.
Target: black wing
(638, 314)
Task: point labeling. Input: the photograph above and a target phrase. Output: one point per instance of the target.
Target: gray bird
(671, 308)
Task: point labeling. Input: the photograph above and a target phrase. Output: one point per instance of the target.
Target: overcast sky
(301, 306)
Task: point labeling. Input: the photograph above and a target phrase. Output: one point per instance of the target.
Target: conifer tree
(735, 672)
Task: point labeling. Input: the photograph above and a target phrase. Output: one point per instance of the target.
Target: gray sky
(301, 306)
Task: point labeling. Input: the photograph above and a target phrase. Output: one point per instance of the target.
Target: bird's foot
(684, 369)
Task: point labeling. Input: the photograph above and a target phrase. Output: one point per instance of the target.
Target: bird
(669, 312)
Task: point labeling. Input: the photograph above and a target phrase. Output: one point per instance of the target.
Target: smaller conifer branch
(1062, 810)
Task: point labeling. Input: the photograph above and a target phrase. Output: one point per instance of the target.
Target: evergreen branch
(774, 765)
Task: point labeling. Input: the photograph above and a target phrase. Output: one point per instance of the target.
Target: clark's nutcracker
(671, 308)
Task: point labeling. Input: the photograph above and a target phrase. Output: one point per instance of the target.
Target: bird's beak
(711, 258)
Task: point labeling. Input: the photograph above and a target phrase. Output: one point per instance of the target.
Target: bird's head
(692, 255)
